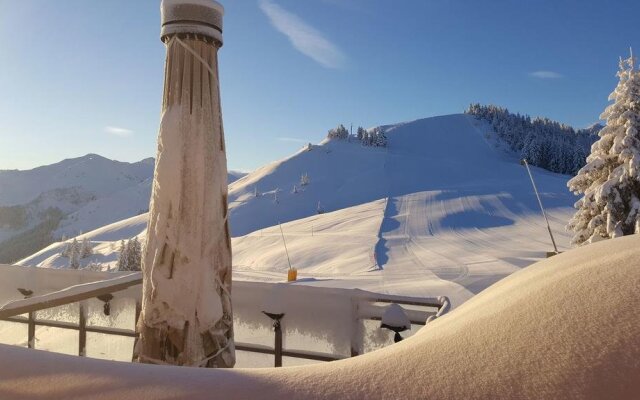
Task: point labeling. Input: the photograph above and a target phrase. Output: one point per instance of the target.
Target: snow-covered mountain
(70, 197)
(442, 210)
(455, 154)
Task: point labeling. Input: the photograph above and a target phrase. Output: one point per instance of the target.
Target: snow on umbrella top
(195, 17)
(395, 318)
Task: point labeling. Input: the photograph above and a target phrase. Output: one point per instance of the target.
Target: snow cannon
(396, 320)
(292, 275)
(191, 18)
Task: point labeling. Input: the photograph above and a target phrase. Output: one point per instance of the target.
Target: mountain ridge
(69, 197)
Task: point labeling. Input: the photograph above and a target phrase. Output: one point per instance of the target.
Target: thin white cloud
(545, 75)
(291, 139)
(114, 130)
(304, 37)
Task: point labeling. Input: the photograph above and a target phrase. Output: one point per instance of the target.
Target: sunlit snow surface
(564, 328)
(441, 211)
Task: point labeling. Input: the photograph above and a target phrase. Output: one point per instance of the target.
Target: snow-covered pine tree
(85, 250)
(93, 266)
(610, 182)
(343, 133)
(340, 132)
(360, 133)
(304, 179)
(133, 254)
(543, 142)
(365, 138)
(67, 250)
(381, 138)
(122, 257)
(74, 255)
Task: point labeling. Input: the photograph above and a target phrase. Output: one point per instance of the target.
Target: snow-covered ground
(442, 211)
(564, 328)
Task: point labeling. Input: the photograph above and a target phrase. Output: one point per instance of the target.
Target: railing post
(135, 329)
(31, 331)
(277, 328)
(82, 335)
(355, 328)
(278, 344)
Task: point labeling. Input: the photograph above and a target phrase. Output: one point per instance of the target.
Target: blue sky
(80, 76)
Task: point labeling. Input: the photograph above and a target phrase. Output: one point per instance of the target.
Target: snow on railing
(318, 323)
(70, 295)
(444, 308)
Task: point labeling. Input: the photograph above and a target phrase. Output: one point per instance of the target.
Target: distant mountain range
(67, 198)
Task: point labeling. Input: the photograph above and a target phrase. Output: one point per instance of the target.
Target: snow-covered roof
(566, 327)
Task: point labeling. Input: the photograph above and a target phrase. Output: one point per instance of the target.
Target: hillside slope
(73, 196)
(441, 210)
(448, 153)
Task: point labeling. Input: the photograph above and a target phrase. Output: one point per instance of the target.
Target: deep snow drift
(566, 327)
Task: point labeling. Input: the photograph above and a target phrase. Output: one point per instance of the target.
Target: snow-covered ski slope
(459, 214)
(441, 211)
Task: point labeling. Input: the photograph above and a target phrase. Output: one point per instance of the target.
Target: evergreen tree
(133, 254)
(381, 138)
(338, 133)
(122, 257)
(67, 250)
(92, 266)
(86, 250)
(304, 179)
(360, 133)
(610, 182)
(74, 255)
(543, 142)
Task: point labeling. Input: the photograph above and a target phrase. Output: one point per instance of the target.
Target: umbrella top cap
(195, 17)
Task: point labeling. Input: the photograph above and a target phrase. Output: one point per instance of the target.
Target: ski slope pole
(544, 214)
(285, 246)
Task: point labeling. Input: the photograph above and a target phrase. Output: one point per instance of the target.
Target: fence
(317, 323)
